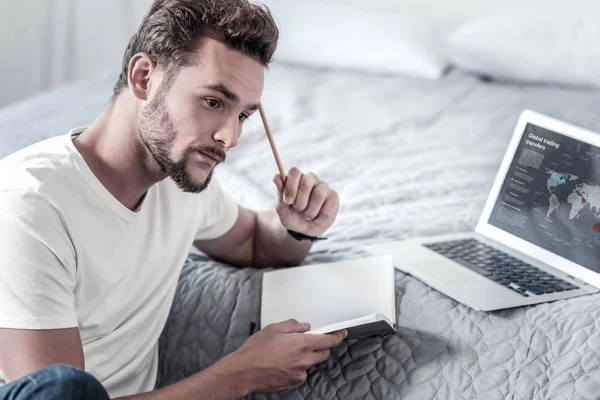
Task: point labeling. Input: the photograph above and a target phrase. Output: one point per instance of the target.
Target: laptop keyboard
(500, 267)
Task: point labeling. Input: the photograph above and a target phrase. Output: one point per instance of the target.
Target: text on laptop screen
(551, 196)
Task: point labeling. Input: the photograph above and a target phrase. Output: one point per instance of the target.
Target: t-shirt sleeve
(37, 264)
(218, 213)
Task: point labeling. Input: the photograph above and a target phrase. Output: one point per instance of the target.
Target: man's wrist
(234, 373)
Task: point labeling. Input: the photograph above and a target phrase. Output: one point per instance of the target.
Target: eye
(213, 103)
(243, 117)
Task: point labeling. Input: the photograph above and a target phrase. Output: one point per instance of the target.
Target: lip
(216, 160)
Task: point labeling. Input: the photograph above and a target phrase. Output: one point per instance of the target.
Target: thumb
(292, 326)
(278, 181)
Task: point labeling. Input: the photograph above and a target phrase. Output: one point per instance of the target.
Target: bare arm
(306, 205)
(24, 351)
(257, 240)
(276, 358)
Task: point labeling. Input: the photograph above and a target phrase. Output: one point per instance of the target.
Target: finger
(291, 186)
(329, 209)
(291, 326)
(307, 183)
(301, 377)
(318, 197)
(320, 356)
(327, 341)
(278, 182)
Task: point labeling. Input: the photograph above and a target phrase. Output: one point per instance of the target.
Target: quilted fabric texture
(408, 158)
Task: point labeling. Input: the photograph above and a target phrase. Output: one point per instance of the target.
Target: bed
(408, 157)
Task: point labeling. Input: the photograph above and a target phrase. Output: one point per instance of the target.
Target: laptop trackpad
(443, 272)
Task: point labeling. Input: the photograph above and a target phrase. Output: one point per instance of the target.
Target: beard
(157, 136)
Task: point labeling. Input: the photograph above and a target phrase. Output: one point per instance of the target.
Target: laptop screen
(551, 196)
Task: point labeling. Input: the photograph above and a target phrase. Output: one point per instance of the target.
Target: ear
(141, 69)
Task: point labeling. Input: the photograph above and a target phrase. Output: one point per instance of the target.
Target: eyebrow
(229, 95)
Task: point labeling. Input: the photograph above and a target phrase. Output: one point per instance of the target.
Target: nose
(228, 134)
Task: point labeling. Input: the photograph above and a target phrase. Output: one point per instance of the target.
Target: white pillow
(530, 46)
(339, 36)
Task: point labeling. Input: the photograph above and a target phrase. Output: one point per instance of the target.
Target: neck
(111, 148)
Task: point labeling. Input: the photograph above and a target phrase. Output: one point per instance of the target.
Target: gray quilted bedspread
(408, 157)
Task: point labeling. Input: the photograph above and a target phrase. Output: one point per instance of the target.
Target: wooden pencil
(272, 141)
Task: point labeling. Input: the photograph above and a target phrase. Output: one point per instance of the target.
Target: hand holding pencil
(306, 204)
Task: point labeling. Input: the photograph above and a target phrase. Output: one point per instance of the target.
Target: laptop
(538, 236)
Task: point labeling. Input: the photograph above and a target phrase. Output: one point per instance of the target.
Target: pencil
(272, 142)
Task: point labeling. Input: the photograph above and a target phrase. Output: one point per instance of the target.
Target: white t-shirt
(71, 255)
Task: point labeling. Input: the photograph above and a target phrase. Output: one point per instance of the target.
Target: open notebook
(357, 295)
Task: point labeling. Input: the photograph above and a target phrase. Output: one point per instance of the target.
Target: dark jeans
(56, 382)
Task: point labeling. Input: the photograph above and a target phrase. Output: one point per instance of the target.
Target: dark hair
(172, 29)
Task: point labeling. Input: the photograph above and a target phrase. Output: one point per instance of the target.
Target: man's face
(189, 125)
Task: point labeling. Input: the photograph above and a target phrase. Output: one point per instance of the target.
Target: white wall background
(20, 48)
(47, 42)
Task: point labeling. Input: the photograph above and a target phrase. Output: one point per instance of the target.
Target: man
(93, 235)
